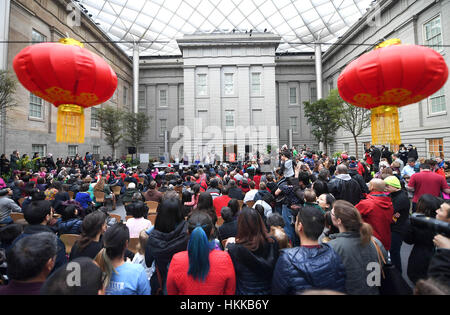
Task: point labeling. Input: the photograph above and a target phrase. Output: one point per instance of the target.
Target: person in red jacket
(203, 269)
(378, 211)
(222, 201)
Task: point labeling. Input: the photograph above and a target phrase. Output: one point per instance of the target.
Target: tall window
(202, 84)
(331, 85)
(72, 150)
(94, 121)
(181, 95)
(436, 148)
(96, 150)
(36, 106)
(163, 98)
(39, 148)
(433, 34)
(125, 96)
(229, 118)
(163, 127)
(229, 84)
(313, 95)
(437, 102)
(257, 117)
(256, 83)
(346, 147)
(292, 95)
(293, 124)
(142, 105)
(37, 37)
(114, 97)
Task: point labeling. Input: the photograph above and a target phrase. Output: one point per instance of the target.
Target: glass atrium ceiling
(156, 24)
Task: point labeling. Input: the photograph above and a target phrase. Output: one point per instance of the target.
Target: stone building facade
(425, 124)
(31, 126)
(232, 92)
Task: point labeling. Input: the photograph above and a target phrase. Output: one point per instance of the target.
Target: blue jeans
(289, 222)
(7, 221)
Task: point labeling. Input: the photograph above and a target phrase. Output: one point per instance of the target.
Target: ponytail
(105, 264)
(366, 233)
(199, 245)
(352, 220)
(198, 250)
(114, 242)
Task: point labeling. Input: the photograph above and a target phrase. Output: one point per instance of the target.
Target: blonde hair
(143, 238)
(310, 195)
(280, 235)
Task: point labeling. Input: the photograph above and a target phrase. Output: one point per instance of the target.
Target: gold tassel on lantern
(70, 127)
(385, 126)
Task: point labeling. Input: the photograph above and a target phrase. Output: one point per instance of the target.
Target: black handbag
(392, 282)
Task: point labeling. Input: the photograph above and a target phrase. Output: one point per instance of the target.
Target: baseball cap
(393, 181)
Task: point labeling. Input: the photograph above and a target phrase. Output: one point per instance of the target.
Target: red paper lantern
(68, 76)
(389, 77)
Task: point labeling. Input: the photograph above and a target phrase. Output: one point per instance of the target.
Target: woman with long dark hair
(205, 204)
(90, 242)
(167, 238)
(202, 269)
(254, 255)
(122, 278)
(354, 244)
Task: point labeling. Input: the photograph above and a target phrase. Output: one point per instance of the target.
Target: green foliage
(136, 126)
(324, 117)
(7, 176)
(337, 154)
(26, 164)
(110, 120)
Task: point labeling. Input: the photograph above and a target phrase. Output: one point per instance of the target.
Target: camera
(437, 226)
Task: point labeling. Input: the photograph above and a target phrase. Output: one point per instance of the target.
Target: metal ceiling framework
(155, 25)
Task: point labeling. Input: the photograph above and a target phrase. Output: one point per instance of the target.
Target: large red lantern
(68, 76)
(392, 76)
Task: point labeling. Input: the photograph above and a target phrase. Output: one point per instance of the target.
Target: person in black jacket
(312, 265)
(343, 187)
(402, 205)
(254, 255)
(386, 154)
(412, 152)
(38, 215)
(422, 239)
(403, 154)
(439, 268)
(167, 238)
(234, 192)
(229, 227)
(375, 153)
(353, 172)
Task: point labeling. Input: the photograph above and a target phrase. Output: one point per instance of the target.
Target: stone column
(4, 37)
(136, 79)
(319, 71)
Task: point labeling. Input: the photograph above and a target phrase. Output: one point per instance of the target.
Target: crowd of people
(314, 223)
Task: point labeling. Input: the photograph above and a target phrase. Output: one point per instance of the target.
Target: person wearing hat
(401, 204)
(129, 192)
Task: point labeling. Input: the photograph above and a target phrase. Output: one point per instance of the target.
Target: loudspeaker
(131, 150)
